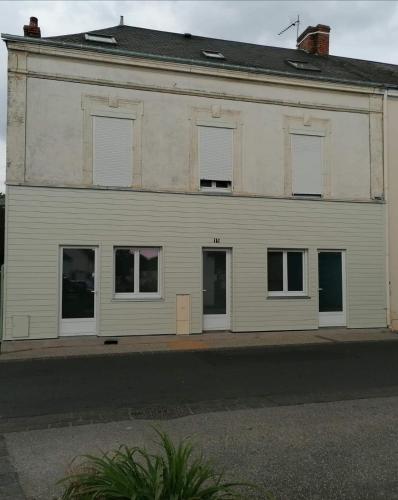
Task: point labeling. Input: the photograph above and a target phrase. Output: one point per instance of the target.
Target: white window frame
(92, 37)
(214, 188)
(111, 107)
(285, 292)
(137, 295)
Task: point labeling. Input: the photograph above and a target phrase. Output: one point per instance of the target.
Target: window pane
(149, 270)
(214, 282)
(223, 184)
(295, 271)
(330, 282)
(275, 271)
(124, 272)
(78, 265)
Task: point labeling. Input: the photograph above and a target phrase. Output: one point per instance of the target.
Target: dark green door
(331, 297)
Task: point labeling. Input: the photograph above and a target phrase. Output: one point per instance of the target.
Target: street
(165, 385)
(306, 422)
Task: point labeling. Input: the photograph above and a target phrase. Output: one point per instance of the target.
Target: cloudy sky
(364, 30)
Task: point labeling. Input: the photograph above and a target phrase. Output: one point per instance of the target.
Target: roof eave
(251, 69)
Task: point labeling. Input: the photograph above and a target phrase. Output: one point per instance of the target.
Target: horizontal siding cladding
(40, 220)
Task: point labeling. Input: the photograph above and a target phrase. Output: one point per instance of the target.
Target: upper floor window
(213, 54)
(112, 151)
(305, 65)
(95, 37)
(137, 272)
(307, 164)
(215, 158)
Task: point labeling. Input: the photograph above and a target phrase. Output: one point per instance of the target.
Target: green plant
(135, 474)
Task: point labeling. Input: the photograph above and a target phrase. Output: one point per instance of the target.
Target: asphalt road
(39, 393)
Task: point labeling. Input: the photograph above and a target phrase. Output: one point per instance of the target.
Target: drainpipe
(386, 197)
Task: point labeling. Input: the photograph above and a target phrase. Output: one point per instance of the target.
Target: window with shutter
(307, 164)
(215, 157)
(112, 151)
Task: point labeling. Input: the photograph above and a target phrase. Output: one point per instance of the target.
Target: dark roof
(247, 56)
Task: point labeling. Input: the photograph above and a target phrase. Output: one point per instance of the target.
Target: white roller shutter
(112, 151)
(307, 164)
(215, 153)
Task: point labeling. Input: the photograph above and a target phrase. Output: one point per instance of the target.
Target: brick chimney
(315, 40)
(32, 29)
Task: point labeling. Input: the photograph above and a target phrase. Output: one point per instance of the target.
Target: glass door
(78, 291)
(331, 275)
(216, 293)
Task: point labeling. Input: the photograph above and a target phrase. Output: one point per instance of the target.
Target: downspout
(386, 196)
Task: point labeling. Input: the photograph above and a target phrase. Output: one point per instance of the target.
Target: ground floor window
(137, 272)
(286, 272)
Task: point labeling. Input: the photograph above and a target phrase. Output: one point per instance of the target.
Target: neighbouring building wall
(40, 220)
(169, 105)
(392, 160)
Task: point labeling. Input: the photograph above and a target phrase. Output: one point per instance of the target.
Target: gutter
(144, 55)
(386, 196)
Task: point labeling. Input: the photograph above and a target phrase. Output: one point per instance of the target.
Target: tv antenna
(295, 23)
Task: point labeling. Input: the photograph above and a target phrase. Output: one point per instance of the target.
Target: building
(168, 183)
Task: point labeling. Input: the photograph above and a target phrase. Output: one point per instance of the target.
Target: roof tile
(246, 55)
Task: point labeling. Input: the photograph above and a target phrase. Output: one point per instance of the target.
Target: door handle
(204, 290)
(320, 289)
(93, 291)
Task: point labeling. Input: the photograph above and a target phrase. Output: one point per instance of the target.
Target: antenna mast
(295, 23)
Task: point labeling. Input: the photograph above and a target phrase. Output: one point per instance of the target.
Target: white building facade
(151, 195)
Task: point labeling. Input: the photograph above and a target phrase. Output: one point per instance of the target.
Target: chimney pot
(32, 29)
(315, 40)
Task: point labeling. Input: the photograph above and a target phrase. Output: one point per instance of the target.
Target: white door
(78, 291)
(332, 285)
(216, 289)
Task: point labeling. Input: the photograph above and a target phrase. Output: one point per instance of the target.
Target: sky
(360, 29)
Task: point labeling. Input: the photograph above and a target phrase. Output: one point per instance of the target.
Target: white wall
(41, 219)
(168, 103)
(55, 126)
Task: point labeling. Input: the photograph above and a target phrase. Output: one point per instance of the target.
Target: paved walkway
(87, 346)
(10, 488)
(340, 450)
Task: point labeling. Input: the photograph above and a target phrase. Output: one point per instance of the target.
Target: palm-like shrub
(135, 474)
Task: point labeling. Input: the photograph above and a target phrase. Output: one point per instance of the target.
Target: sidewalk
(310, 451)
(88, 346)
